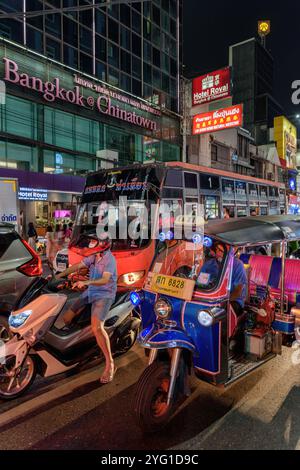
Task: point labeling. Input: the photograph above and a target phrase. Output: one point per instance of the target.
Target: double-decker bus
(159, 183)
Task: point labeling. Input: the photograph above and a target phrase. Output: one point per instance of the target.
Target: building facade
(86, 90)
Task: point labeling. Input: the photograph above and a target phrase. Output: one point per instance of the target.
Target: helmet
(91, 244)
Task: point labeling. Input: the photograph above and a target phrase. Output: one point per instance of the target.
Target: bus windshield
(120, 199)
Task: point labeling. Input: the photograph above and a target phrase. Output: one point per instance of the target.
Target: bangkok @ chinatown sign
(218, 120)
(52, 91)
(212, 86)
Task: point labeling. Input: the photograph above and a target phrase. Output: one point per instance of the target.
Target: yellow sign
(264, 27)
(285, 136)
(173, 286)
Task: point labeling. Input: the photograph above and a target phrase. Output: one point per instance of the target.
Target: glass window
(125, 62)
(113, 55)
(11, 29)
(100, 20)
(156, 15)
(64, 129)
(101, 71)
(113, 30)
(53, 24)
(173, 28)
(165, 63)
(86, 16)
(21, 117)
(146, 9)
(190, 180)
(173, 67)
(101, 48)
(83, 164)
(156, 78)
(156, 37)
(136, 44)
(125, 15)
(136, 87)
(165, 5)
(147, 92)
(165, 21)
(82, 134)
(147, 29)
(165, 83)
(125, 82)
(53, 49)
(136, 21)
(125, 37)
(173, 8)
(156, 57)
(113, 10)
(34, 39)
(70, 56)
(136, 67)
(147, 73)
(147, 51)
(172, 47)
(70, 31)
(22, 156)
(85, 38)
(173, 87)
(86, 63)
(113, 77)
(212, 266)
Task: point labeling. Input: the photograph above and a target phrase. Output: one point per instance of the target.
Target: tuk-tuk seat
(260, 269)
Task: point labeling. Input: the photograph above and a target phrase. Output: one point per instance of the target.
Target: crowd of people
(56, 239)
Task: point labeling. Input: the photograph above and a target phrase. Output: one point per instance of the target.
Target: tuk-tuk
(190, 324)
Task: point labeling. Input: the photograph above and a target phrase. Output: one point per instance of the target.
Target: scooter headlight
(131, 278)
(162, 308)
(15, 321)
(205, 318)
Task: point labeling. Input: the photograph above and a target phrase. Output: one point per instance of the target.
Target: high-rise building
(252, 78)
(133, 46)
(83, 88)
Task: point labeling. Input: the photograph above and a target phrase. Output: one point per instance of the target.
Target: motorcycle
(42, 344)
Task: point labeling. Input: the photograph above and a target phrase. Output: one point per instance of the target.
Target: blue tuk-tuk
(189, 323)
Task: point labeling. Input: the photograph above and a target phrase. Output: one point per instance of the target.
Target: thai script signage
(221, 119)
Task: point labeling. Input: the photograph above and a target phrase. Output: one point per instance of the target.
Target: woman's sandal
(108, 377)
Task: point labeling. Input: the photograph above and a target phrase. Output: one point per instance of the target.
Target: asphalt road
(261, 411)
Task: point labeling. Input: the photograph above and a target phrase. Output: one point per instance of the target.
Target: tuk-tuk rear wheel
(150, 405)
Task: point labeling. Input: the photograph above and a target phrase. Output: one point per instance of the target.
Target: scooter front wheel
(14, 383)
(151, 408)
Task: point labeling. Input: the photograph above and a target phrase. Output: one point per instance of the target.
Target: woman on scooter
(100, 292)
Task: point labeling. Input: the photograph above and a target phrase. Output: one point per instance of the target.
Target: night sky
(210, 26)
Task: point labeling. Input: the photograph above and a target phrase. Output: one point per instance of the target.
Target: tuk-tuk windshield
(202, 262)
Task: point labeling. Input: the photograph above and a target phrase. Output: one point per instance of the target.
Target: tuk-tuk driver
(212, 268)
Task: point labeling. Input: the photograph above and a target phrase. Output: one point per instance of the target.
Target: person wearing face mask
(100, 292)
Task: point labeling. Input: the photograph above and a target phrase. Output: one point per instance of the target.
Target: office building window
(214, 153)
(113, 30)
(53, 49)
(34, 39)
(125, 62)
(100, 22)
(113, 55)
(101, 48)
(125, 36)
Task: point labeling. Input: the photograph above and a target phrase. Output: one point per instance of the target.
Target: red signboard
(211, 87)
(218, 120)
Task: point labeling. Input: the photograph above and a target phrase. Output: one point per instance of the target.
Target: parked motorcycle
(43, 344)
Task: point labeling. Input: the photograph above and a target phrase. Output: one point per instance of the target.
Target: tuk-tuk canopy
(255, 230)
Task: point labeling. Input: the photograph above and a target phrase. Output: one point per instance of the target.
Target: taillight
(34, 266)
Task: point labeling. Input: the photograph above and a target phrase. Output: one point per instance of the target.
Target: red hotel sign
(211, 87)
(218, 120)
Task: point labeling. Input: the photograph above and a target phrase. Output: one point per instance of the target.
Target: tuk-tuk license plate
(173, 286)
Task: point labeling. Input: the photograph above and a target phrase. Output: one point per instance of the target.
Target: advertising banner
(285, 135)
(218, 120)
(212, 86)
(8, 201)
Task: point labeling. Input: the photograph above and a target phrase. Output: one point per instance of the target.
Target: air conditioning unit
(108, 158)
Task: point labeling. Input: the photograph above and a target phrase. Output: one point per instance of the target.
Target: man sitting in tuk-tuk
(212, 268)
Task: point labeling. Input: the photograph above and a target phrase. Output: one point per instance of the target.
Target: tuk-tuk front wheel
(150, 406)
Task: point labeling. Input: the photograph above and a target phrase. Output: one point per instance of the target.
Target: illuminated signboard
(31, 194)
(285, 135)
(212, 86)
(218, 120)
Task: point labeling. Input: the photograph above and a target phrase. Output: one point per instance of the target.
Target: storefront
(46, 199)
(56, 121)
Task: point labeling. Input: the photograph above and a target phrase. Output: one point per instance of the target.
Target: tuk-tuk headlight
(162, 308)
(205, 318)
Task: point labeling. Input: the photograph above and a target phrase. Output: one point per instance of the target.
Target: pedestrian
(50, 245)
(32, 236)
(100, 292)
